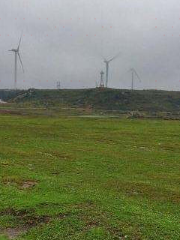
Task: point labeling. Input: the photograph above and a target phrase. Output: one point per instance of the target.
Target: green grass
(103, 99)
(94, 178)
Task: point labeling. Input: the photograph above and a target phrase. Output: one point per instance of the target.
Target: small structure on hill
(101, 85)
(58, 85)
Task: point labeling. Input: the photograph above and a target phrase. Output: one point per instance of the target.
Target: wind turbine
(107, 67)
(17, 55)
(134, 73)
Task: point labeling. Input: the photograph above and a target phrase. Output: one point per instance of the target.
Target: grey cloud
(64, 41)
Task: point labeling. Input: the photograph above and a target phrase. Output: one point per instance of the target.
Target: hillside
(105, 99)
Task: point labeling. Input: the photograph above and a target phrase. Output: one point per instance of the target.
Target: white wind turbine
(17, 55)
(107, 67)
(134, 73)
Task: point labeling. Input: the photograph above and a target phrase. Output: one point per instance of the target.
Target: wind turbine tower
(17, 55)
(134, 73)
(107, 67)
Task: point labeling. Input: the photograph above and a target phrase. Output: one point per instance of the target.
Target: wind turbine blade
(114, 57)
(20, 61)
(19, 42)
(137, 75)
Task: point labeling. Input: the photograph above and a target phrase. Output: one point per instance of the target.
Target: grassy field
(89, 178)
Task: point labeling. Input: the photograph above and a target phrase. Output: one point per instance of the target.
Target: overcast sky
(64, 40)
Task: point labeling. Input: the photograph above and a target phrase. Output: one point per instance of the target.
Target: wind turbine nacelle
(13, 50)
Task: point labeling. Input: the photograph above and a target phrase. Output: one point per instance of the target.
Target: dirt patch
(25, 219)
(13, 112)
(19, 182)
(13, 233)
(28, 184)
